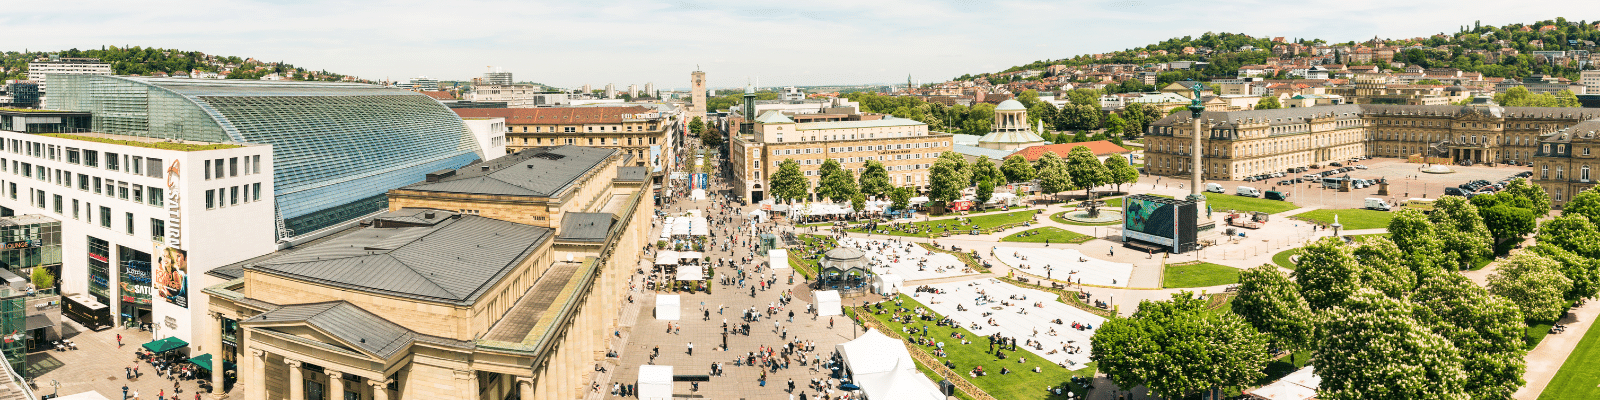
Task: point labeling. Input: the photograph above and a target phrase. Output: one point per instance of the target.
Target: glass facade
(335, 145)
(30, 241)
(100, 270)
(135, 284)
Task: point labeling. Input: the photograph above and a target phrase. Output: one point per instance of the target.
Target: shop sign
(25, 244)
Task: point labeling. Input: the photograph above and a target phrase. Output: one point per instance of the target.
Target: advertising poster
(171, 281)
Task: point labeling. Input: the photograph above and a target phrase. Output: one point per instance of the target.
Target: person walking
(124, 390)
(691, 348)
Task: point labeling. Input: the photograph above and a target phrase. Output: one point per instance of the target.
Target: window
(247, 193)
(57, 203)
(158, 229)
(233, 196)
(83, 182)
(138, 165)
(74, 208)
(247, 165)
(157, 196)
(208, 170)
(138, 193)
(257, 187)
(97, 185)
(1585, 173)
(105, 217)
(74, 156)
(91, 158)
(122, 190)
(128, 222)
(233, 167)
(113, 162)
(211, 199)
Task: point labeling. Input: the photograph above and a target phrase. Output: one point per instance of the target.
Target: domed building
(1010, 131)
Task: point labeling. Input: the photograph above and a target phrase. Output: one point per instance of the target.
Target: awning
(37, 321)
(204, 361)
(165, 345)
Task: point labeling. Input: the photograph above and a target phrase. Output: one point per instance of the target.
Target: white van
(1248, 191)
(1374, 203)
(1214, 188)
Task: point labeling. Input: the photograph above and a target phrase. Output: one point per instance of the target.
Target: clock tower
(697, 95)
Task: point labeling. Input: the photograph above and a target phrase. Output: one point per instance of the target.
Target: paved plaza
(99, 365)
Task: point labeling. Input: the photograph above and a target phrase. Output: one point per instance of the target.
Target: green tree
(1120, 172)
(984, 168)
(42, 279)
(1176, 349)
(1028, 97)
(1534, 283)
(1086, 170)
(1052, 172)
(900, 197)
(789, 184)
(1114, 124)
(1269, 103)
(948, 177)
(1536, 199)
(838, 186)
(875, 180)
(696, 126)
(1583, 271)
(1461, 229)
(1272, 303)
(1384, 268)
(1370, 347)
(1507, 222)
(984, 191)
(1574, 233)
(858, 202)
(1327, 273)
(1414, 234)
(1017, 169)
(1585, 203)
(1487, 329)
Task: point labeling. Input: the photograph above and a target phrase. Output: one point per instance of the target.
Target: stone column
(525, 387)
(380, 388)
(297, 384)
(217, 380)
(335, 384)
(467, 382)
(258, 376)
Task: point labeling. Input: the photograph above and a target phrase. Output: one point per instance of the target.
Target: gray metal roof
(454, 259)
(632, 174)
(586, 227)
(976, 151)
(514, 326)
(347, 322)
(539, 172)
(1274, 117)
(240, 87)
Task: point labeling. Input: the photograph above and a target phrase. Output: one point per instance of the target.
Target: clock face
(697, 81)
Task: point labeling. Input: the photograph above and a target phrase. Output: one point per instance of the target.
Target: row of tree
(1074, 122)
(1384, 318)
(951, 175)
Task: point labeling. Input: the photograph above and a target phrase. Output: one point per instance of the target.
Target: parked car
(1247, 191)
(1276, 195)
(1214, 188)
(1336, 164)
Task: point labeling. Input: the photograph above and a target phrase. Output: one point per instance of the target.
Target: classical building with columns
(501, 280)
(1239, 144)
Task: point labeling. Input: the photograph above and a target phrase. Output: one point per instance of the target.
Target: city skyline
(857, 43)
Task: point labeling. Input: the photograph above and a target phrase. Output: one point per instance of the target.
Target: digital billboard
(1159, 220)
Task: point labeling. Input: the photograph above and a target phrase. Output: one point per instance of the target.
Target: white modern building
(39, 70)
(518, 96)
(423, 83)
(142, 219)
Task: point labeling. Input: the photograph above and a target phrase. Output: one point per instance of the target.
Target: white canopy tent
(883, 368)
(828, 302)
(758, 216)
(667, 307)
(89, 395)
(655, 382)
(697, 194)
(888, 284)
(778, 258)
(691, 255)
(691, 273)
(917, 201)
(1299, 385)
(666, 257)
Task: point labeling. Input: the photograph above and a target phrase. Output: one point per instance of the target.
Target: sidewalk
(1552, 352)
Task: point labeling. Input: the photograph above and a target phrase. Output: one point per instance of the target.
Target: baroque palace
(1239, 144)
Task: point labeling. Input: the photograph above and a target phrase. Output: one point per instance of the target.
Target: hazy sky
(570, 43)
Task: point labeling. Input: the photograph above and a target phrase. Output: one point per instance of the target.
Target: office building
(1590, 80)
(40, 70)
(497, 77)
(312, 126)
(500, 280)
(423, 83)
(518, 96)
(640, 132)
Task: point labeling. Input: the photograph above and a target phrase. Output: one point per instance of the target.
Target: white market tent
(778, 258)
(758, 216)
(666, 257)
(883, 368)
(655, 382)
(888, 284)
(917, 201)
(691, 255)
(828, 302)
(691, 273)
(697, 194)
(89, 395)
(667, 307)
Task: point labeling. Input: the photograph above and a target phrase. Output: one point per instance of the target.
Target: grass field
(1198, 275)
(1222, 202)
(1021, 383)
(1282, 258)
(1048, 234)
(1577, 377)
(1349, 218)
(811, 244)
(924, 228)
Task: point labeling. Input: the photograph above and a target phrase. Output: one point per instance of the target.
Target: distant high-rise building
(611, 91)
(423, 83)
(792, 93)
(697, 94)
(38, 69)
(650, 89)
(633, 90)
(497, 77)
(588, 88)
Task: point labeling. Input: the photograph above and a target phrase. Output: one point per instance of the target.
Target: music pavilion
(499, 280)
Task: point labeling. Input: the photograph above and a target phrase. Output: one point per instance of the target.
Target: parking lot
(1405, 181)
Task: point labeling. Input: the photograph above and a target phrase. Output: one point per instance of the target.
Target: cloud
(569, 44)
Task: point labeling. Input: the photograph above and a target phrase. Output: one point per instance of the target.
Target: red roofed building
(633, 129)
(1101, 148)
(438, 94)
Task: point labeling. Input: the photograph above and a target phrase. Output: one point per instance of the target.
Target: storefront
(28, 242)
(134, 286)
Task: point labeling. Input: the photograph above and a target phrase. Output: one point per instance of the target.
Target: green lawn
(1048, 234)
(810, 244)
(1349, 218)
(1057, 217)
(1198, 275)
(966, 225)
(1577, 377)
(1020, 384)
(1222, 202)
(1282, 258)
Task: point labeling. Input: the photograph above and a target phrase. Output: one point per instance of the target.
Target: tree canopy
(789, 184)
(1175, 348)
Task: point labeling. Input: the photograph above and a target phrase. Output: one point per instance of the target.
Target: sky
(816, 42)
